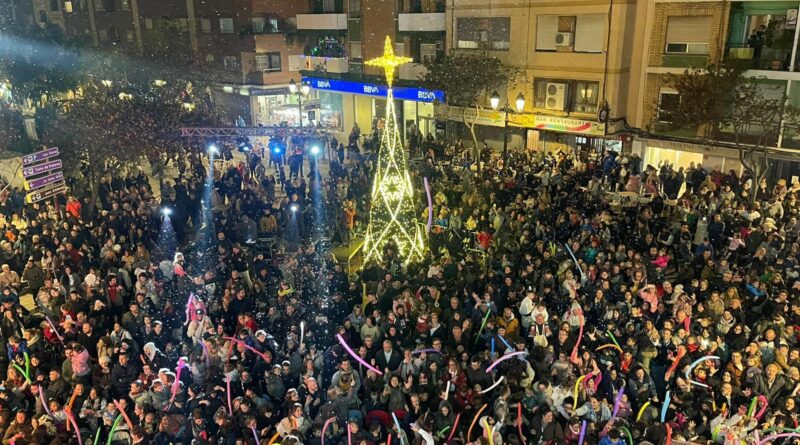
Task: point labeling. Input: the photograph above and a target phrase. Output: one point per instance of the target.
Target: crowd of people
(546, 311)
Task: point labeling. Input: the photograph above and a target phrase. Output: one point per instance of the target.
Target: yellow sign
(568, 125)
(533, 121)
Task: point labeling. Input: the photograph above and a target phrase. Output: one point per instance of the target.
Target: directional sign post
(43, 176)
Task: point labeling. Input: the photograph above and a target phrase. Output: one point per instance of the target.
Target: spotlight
(293, 208)
(315, 150)
(213, 149)
(166, 211)
(276, 150)
(244, 144)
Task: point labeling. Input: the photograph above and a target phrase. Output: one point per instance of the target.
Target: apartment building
(348, 92)
(763, 35)
(242, 45)
(578, 56)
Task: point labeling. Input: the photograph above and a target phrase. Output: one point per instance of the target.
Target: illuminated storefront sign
(402, 93)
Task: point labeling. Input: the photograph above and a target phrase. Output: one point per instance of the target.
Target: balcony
(763, 58)
(684, 60)
(422, 22)
(333, 22)
(318, 63)
(412, 71)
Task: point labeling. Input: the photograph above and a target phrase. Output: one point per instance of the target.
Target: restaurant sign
(568, 125)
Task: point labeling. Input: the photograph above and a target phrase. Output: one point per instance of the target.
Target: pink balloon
(355, 356)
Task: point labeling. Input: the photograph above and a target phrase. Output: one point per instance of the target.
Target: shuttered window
(688, 34)
(589, 33)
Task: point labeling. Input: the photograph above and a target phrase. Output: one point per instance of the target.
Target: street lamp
(494, 101)
(301, 94)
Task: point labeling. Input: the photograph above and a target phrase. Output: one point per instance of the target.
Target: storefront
(683, 154)
(541, 132)
(365, 104)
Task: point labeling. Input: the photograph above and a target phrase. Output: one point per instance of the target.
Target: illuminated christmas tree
(392, 215)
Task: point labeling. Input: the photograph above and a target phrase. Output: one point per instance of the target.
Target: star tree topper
(389, 62)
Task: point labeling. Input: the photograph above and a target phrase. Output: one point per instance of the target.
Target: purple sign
(39, 156)
(41, 168)
(34, 184)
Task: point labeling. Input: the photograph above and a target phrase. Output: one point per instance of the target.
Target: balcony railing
(318, 63)
(684, 60)
(763, 57)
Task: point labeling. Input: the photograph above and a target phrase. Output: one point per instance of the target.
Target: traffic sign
(38, 183)
(43, 194)
(39, 156)
(38, 169)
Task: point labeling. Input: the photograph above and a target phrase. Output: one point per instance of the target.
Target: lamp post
(301, 93)
(494, 101)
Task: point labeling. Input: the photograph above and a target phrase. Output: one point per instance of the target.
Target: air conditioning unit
(564, 39)
(555, 96)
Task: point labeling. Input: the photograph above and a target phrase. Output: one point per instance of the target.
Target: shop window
(129, 36)
(668, 103)
(209, 58)
(148, 23)
(483, 33)
(270, 62)
(585, 97)
(232, 63)
(68, 6)
(226, 26)
(205, 26)
(688, 35)
(54, 5)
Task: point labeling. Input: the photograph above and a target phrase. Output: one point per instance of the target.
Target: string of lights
(393, 214)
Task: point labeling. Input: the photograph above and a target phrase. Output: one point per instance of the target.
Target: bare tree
(466, 80)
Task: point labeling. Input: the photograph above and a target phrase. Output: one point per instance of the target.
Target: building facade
(348, 92)
(761, 35)
(578, 58)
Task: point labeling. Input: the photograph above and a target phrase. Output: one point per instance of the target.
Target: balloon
(504, 358)
(355, 356)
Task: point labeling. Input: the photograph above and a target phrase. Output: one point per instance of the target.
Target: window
(113, 35)
(427, 52)
(209, 58)
(54, 5)
(148, 23)
(355, 50)
(585, 97)
(124, 5)
(687, 48)
(589, 33)
(483, 33)
(102, 35)
(355, 8)
(273, 25)
(129, 36)
(270, 62)
(232, 63)
(258, 24)
(205, 26)
(226, 26)
(574, 96)
(68, 6)
(668, 103)
(688, 34)
(182, 24)
(581, 34)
